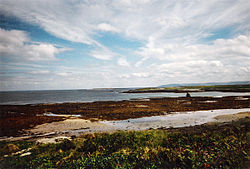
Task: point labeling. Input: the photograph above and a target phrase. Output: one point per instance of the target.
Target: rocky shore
(14, 119)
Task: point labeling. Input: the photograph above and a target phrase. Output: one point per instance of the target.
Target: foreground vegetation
(194, 147)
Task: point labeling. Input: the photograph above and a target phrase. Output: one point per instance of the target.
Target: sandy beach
(75, 126)
(72, 119)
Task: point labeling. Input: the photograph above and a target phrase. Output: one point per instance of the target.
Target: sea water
(62, 96)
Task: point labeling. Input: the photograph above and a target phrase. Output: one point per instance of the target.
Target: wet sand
(67, 126)
(231, 117)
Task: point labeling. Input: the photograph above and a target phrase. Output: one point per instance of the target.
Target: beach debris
(141, 106)
(19, 152)
(187, 102)
(83, 128)
(53, 139)
(10, 149)
(25, 154)
(241, 98)
(208, 101)
(61, 115)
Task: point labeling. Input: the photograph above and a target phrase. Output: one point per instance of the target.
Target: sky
(84, 44)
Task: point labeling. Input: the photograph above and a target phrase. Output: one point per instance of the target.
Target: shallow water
(178, 119)
(77, 126)
(61, 115)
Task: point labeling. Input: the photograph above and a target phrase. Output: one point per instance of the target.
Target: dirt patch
(9, 149)
(13, 126)
(232, 117)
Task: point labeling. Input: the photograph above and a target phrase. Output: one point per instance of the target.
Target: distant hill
(206, 84)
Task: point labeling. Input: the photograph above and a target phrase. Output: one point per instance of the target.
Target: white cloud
(41, 72)
(124, 76)
(157, 23)
(194, 67)
(123, 62)
(223, 50)
(180, 21)
(107, 27)
(172, 33)
(64, 74)
(141, 75)
(15, 43)
(102, 53)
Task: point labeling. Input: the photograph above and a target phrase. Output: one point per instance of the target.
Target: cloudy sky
(68, 44)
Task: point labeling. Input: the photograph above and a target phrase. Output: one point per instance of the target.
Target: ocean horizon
(91, 95)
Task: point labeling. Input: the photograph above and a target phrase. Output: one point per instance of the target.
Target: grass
(205, 147)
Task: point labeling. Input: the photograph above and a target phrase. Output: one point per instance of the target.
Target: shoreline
(17, 118)
(185, 89)
(193, 142)
(75, 126)
(134, 96)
